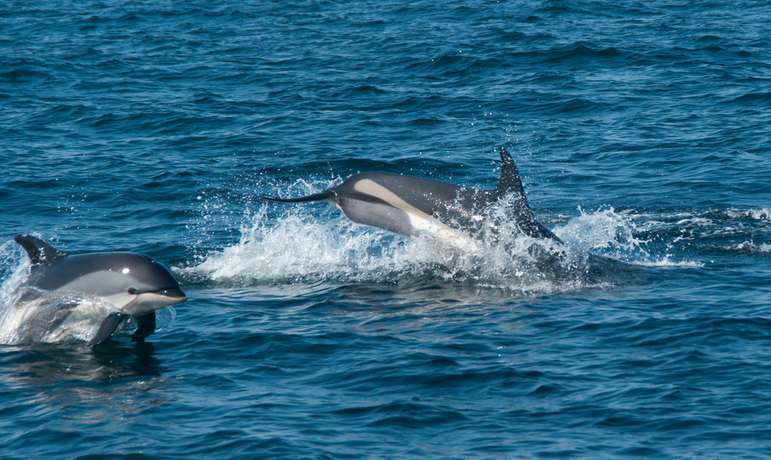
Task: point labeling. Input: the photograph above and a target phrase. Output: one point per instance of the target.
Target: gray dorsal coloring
(39, 252)
(509, 181)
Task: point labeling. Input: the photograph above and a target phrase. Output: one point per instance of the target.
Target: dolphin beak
(175, 294)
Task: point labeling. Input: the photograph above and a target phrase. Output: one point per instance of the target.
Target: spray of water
(299, 246)
(27, 316)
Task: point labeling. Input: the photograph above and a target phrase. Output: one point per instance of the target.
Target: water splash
(749, 247)
(298, 246)
(42, 317)
(15, 269)
(53, 319)
(617, 235)
(604, 229)
(754, 213)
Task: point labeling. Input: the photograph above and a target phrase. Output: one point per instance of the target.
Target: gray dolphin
(134, 283)
(411, 205)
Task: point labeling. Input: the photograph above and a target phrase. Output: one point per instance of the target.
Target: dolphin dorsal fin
(510, 184)
(39, 252)
(509, 181)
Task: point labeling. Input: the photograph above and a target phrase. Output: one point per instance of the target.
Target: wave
(749, 247)
(699, 228)
(754, 98)
(761, 214)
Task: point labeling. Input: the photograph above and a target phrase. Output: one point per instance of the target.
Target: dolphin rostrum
(135, 284)
(411, 205)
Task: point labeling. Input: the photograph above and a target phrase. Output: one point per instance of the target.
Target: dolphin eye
(132, 291)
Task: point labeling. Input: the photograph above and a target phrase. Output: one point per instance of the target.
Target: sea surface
(642, 130)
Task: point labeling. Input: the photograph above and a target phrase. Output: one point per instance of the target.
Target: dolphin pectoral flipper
(325, 195)
(145, 326)
(38, 251)
(108, 326)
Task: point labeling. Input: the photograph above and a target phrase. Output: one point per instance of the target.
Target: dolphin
(410, 205)
(134, 283)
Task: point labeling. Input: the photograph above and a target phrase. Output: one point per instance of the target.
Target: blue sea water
(642, 133)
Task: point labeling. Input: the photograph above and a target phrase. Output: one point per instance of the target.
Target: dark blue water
(642, 133)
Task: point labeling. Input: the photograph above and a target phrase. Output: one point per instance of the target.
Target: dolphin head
(135, 283)
(150, 284)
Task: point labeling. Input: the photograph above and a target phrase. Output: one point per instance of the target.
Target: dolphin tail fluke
(106, 329)
(323, 196)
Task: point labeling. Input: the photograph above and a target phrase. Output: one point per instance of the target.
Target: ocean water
(641, 130)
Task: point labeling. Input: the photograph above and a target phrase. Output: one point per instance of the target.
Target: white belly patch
(419, 220)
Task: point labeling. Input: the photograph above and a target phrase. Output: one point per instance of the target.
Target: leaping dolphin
(411, 205)
(135, 284)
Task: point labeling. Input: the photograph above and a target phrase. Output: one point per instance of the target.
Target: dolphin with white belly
(135, 284)
(411, 205)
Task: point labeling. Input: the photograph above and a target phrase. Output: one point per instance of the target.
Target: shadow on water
(43, 364)
(79, 384)
(430, 293)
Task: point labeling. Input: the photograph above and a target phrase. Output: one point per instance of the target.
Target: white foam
(34, 321)
(755, 213)
(299, 246)
(17, 269)
(28, 321)
(668, 262)
(602, 229)
(749, 246)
